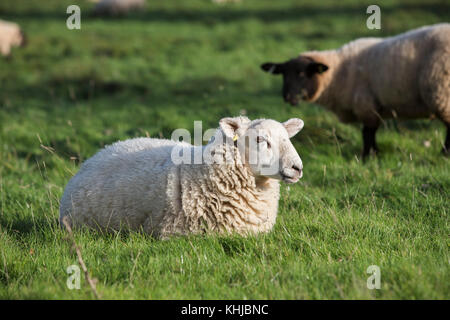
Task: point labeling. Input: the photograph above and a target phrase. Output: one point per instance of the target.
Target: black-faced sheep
(370, 79)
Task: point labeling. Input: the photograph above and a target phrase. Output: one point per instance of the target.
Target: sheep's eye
(260, 139)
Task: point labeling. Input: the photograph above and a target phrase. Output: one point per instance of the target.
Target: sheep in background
(136, 184)
(118, 7)
(369, 79)
(225, 1)
(10, 36)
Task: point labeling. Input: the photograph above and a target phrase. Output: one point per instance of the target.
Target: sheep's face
(265, 146)
(300, 78)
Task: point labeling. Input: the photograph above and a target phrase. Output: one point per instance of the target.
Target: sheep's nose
(298, 169)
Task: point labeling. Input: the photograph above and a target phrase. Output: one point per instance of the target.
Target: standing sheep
(139, 184)
(118, 7)
(10, 36)
(366, 80)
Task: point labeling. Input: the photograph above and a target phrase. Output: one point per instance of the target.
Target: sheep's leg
(5, 49)
(446, 148)
(369, 140)
(445, 117)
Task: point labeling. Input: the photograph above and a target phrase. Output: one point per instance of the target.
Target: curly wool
(219, 198)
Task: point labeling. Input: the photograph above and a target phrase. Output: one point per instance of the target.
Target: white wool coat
(134, 184)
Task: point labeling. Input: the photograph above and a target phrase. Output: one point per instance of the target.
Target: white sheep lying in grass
(136, 184)
(118, 7)
(10, 36)
(369, 79)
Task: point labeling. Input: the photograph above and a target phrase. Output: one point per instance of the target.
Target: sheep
(10, 36)
(141, 185)
(371, 79)
(225, 1)
(118, 7)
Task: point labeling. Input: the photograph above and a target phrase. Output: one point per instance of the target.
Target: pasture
(68, 93)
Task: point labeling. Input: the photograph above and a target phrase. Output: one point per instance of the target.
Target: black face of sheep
(299, 77)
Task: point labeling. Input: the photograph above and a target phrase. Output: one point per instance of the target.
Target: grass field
(69, 93)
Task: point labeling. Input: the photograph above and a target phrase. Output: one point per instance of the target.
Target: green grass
(69, 93)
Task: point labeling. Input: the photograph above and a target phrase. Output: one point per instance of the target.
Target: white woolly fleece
(134, 185)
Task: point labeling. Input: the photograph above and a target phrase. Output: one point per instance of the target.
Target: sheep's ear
(293, 126)
(273, 68)
(230, 126)
(316, 67)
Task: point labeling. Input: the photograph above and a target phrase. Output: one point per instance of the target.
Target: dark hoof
(371, 153)
(446, 151)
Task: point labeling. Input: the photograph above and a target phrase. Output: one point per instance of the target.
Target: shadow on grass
(76, 89)
(43, 227)
(216, 14)
(23, 226)
(91, 87)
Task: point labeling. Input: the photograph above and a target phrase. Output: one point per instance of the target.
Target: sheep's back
(9, 33)
(123, 185)
(393, 68)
